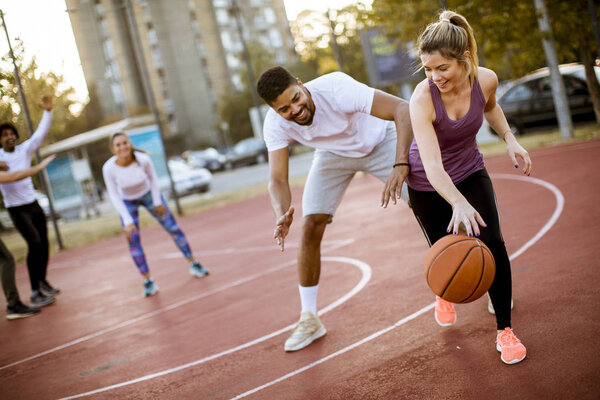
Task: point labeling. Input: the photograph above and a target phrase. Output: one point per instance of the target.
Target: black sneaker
(20, 310)
(39, 299)
(47, 289)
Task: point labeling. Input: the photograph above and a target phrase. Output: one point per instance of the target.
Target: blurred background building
(192, 50)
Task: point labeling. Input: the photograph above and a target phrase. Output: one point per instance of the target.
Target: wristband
(401, 163)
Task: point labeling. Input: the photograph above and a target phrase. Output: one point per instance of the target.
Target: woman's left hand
(160, 210)
(516, 150)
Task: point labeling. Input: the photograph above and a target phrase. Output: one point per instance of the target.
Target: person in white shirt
(348, 123)
(131, 182)
(14, 307)
(23, 208)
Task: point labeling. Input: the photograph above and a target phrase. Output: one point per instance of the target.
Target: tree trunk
(590, 75)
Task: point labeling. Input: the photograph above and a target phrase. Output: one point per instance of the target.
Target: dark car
(528, 101)
(247, 152)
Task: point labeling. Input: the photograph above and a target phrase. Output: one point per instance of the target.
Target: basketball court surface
(221, 337)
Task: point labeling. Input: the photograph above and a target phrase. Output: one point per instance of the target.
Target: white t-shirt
(130, 182)
(22, 192)
(342, 123)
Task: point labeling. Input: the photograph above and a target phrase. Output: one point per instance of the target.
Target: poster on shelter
(65, 190)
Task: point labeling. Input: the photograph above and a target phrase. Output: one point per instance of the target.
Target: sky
(45, 28)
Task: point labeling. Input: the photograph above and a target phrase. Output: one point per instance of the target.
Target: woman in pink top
(449, 187)
(131, 182)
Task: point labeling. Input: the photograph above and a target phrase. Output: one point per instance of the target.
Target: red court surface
(221, 337)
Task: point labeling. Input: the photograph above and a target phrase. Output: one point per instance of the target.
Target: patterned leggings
(168, 223)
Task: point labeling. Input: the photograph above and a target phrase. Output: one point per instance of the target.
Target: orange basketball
(459, 269)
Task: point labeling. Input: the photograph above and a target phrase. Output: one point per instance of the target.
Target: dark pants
(434, 213)
(30, 221)
(7, 274)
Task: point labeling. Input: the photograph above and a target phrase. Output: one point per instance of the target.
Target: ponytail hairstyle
(133, 149)
(451, 36)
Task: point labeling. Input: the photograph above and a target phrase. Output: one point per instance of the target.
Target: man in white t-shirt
(23, 208)
(347, 123)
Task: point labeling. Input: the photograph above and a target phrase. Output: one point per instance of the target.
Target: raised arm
(281, 196)
(36, 140)
(497, 120)
(7, 177)
(422, 115)
(392, 108)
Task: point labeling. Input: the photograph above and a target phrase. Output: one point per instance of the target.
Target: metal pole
(334, 45)
(251, 80)
(44, 182)
(148, 89)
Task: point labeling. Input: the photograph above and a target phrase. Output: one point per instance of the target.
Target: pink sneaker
(444, 312)
(511, 349)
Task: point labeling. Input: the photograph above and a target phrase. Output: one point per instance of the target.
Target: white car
(187, 179)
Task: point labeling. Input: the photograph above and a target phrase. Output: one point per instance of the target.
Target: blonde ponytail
(451, 36)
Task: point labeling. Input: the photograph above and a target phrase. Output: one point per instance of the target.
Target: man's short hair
(273, 82)
(8, 125)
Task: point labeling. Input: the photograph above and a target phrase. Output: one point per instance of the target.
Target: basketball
(459, 269)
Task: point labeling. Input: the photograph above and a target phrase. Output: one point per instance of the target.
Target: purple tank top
(460, 154)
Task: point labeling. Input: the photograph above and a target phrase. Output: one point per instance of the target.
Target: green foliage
(35, 84)
(312, 31)
(507, 33)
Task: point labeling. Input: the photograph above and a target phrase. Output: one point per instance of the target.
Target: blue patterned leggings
(168, 223)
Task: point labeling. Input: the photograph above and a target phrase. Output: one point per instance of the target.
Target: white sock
(308, 298)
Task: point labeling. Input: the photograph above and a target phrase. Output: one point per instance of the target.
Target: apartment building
(192, 51)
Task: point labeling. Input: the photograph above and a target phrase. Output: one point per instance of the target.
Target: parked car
(528, 101)
(187, 179)
(208, 158)
(247, 152)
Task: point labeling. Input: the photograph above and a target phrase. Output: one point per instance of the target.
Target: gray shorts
(330, 174)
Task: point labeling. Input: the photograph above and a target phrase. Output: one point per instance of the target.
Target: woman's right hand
(464, 213)
(129, 229)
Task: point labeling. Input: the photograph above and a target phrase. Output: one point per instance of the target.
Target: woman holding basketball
(131, 182)
(449, 187)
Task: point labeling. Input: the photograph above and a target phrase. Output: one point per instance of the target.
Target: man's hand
(46, 103)
(3, 166)
(393, 186)
(283, 227)
(47, 161)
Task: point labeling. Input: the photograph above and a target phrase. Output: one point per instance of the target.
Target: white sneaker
(308, 330)
(491, 306)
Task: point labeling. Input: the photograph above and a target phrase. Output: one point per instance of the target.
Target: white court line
(541, 232)
(334, 245)
(545, 228)
(366, 276)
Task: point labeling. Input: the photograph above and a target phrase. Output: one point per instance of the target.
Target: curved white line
(334, 245)
(557, 211)
(560, 202)
(366, 276)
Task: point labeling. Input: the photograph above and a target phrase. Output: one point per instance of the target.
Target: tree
(35, 84)
(312, 33)
(508, 39)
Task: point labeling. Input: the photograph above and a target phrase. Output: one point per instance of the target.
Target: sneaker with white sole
(150, 287)
(445, 314)
(308, 330)
(491, 306)
(20, 310)
(48, 289)
(39, 299)
(511, 349)
(197, 270)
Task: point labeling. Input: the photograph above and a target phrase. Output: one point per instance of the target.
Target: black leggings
(434, 213)
(30, 221)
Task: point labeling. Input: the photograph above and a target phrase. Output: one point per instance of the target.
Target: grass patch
(82, 232)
